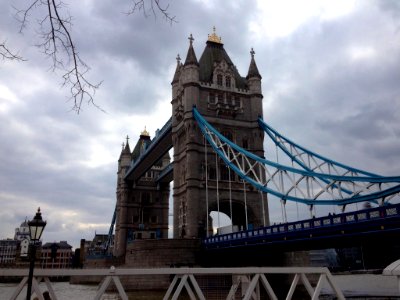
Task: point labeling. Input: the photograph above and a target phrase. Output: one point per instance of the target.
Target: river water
(363, 286)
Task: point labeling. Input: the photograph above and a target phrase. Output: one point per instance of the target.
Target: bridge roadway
(379, 226)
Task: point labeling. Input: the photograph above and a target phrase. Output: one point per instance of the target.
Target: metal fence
(246, 282)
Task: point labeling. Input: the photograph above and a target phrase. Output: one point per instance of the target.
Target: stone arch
(238, 212)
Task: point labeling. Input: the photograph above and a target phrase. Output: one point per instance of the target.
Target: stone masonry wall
(162, 253)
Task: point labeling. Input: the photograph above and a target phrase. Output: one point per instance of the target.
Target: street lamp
(36, 227)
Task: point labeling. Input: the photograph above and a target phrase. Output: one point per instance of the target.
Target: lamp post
(36, 227)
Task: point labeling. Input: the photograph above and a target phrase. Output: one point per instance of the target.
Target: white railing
(249, 280)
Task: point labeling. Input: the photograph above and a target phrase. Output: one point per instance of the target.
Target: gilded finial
(214, 38)
(252, 52)
(145, 132)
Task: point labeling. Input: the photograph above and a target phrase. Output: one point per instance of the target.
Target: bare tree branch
(151, 6)
(6, 53)
(57, 43)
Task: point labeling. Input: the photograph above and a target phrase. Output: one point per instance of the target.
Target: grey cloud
(315, 87)
(314, 94)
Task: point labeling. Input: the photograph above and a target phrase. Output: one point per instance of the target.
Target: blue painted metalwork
(160, 134)
(366, 192)
(273, 134)
(203, 124)
(111, 230)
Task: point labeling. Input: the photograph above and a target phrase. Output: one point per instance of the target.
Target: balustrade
(247, 280)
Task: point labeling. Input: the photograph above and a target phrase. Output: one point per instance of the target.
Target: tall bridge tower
(142, 205)
(232, 104)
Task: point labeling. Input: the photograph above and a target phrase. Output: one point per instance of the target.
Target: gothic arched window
(236, 101)
(211, 98)
(219, 79)
(228, 81)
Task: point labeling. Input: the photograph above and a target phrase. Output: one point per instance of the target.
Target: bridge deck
(368, 222)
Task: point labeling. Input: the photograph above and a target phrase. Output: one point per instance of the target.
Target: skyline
(330, 82)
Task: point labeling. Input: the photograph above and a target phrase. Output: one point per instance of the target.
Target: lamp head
(36, 226)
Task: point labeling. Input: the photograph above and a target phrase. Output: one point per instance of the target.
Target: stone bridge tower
(142, 205)
(232, 104)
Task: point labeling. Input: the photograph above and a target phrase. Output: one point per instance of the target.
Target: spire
(191, 56)
(177, 70)
(125, 147)
(253, 70)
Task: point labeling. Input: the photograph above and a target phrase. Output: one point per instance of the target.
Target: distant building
(22, 232)
(56, 255)
(22, 236)
(13, 250)
(8, 251)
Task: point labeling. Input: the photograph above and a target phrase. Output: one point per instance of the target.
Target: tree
(57, 43)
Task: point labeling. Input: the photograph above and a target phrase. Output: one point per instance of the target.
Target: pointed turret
(121, 211)
(177, 75)
(191, 58)
(189, 77)
(214, 55)
(253, 70)
(141, 145)
(125, 148)
(177, 70)
(253, 77)
(144, 140)
(125, 157)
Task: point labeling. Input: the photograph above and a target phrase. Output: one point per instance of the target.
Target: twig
(152, 6)
(6, 53)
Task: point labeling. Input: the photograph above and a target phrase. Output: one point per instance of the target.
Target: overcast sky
(331, 82)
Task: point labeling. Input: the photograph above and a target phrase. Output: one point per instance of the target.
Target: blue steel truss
(322, 182)
(110, 231)
(307, 159)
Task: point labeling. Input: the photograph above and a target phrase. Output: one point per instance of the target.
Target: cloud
(330, 82)
(338, 99)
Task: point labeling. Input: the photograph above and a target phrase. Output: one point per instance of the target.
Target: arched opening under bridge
(229, 213)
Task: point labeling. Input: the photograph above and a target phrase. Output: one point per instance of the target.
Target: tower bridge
(217, 134)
